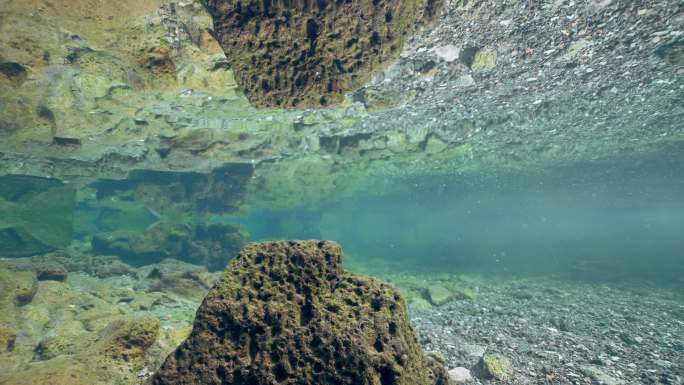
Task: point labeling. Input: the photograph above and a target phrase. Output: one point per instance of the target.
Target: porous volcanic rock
(308, 53)
(286, 312)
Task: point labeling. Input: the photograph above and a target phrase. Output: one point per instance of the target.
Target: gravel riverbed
(555, 332)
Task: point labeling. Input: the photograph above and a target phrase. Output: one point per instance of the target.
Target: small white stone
(460, 375)
(447, 52)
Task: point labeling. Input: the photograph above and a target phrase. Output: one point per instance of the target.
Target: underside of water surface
(513, 170)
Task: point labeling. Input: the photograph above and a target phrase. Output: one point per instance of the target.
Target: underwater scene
(349, 192)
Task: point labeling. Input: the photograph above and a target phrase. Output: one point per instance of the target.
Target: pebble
(460, 375)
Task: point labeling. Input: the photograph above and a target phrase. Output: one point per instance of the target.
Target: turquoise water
(600, 221)
(515, 170)
(606, 220)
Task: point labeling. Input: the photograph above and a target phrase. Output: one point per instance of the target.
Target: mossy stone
(494, 366)
(286, 312)
(484, 60)
(309, 55)
(439, 295)
(128, 339)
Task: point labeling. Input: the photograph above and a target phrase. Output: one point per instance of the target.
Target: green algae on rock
(494, 366)
(286, 312)
(86, 330)
(298, 54)
(128, 339)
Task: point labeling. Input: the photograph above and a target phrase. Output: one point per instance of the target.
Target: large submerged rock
(287, 313)
(305, 53)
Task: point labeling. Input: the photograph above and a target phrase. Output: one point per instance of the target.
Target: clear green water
(517, 173)
(599, 221)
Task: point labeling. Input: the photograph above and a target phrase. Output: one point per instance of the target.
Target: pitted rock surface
(308, 53)
(287, 313)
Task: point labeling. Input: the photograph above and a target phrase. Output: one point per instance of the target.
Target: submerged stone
(484, 60)
(439, 295)
(286, 312)
(180, 278)
(598, 375)
(16, 289)
(52, 274)
(307, 55)
(494, 366)
(128, 339)
(460, 375)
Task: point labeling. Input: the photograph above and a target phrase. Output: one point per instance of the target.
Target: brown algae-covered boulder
(308, 53)
(287, 313)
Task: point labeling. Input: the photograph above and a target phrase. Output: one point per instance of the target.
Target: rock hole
(338, 64)
(311, 30)
(318, 367)
(393, 328)
(14, 71)
(306, 312)
(378, 346)
(375, 38)
(221, 373)
(266, 6)
(280, 373)
(47, 115)
(388, 16)
(377, 304)
(387, 376)
(351, 42)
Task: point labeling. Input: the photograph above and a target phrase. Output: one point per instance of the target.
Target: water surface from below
(604, 220)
